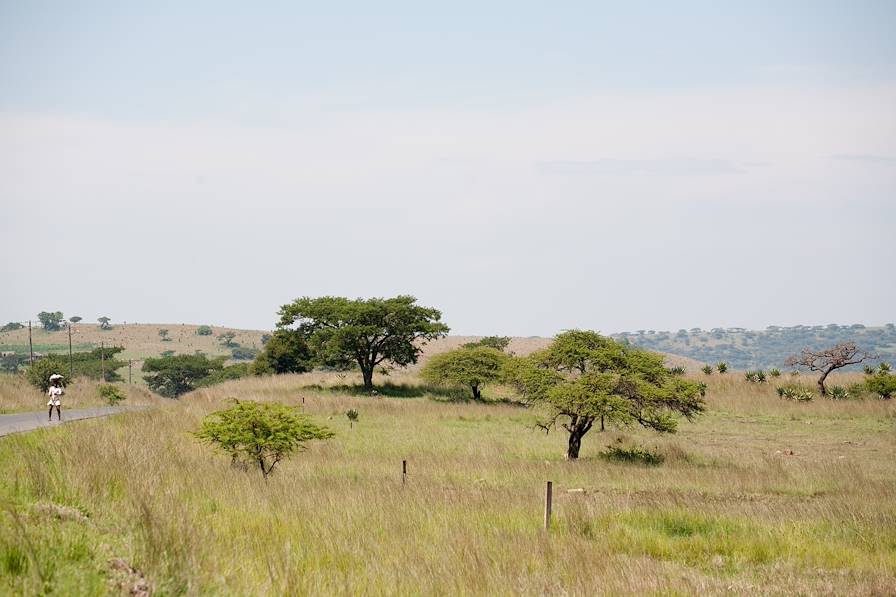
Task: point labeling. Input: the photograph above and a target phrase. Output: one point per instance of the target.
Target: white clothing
(54, 393)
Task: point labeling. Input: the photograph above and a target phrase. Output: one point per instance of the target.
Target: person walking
(55, 393)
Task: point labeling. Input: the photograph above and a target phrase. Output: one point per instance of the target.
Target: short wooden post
(404, 471)
(130, 362)
(548, 495)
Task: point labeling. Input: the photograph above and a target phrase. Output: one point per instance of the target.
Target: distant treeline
(751, 349)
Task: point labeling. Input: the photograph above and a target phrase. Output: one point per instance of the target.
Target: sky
(525, 167)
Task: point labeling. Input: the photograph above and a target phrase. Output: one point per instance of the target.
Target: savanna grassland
(758, 496)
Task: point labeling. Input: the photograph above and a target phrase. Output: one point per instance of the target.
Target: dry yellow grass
(731, 511)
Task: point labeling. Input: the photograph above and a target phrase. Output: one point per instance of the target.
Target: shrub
(241, 353)
(176, 375)
(39, 373)
(722, 367)
(260, 434)
(707, 369)
(352, 416)
(110, 393)
(204, 330)
(750, 376)
(676, 370)
(868, 369)
(882, 384)
(238, 371)
(774, 372)
(857, 391)
(795, 392)
(632, 454)
(838, 393)
(883, 368)
(11, 327)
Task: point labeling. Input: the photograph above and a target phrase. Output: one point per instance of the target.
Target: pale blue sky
(526, 167)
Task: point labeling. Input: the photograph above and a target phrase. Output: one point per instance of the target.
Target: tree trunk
(821, 389)
(368, 377)
(575, 444)
(477, 393)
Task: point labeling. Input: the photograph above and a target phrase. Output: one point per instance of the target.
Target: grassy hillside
(758, 496)
(749, 349)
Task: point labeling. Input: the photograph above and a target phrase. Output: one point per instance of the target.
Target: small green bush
(882, 385)
(774, 372)
(110, 393)
(707, 369)
(632, 454)
(795, 392)
(352, 416)
(676, 370)
(838, 393)
(204, 330)
(722, 367)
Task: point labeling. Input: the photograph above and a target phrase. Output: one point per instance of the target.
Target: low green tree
(286, 352)
(11, 327)
(259, 434)
(75, 319)
(163, 334)
(204, 330)
(238, 371)
(104, 323)
(226, 339)
(584, 378)
(176, 375)
(51, 321)
(496, 342)
(111, 394)
(466, 367)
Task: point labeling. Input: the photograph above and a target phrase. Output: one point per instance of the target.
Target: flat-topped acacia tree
(367, 332)
(584, 378)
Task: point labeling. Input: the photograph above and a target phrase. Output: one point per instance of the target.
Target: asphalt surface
(18, 422)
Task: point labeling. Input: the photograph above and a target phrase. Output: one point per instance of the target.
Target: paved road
(28, 421)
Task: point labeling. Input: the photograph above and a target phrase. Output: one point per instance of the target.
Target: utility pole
(71, 362)
(30, 344)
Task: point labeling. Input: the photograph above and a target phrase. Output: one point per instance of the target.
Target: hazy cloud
(662, 167)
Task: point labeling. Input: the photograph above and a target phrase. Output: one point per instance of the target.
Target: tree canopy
(51, 321)
(496, 342)
(285, 352)
(583, 378)
(471, 367)
(104, 323)
(367, 332)
(258, 433)
(175, 375)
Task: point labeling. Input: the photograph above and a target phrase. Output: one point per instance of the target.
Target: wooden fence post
(548, 496)
(404, 471)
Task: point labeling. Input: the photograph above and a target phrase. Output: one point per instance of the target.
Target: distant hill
(751, 349)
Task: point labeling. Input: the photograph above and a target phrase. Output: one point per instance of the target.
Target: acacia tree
(829, 359)
(104, 323)
(583, 378)
(260, 434)
(471, 367)
(497, 342)
(172, 376)
(341, 332)
(51, 321)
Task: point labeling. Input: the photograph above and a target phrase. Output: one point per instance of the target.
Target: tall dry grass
(758, 496)
(17, 395)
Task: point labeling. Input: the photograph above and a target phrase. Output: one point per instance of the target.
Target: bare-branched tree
(829, 359)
